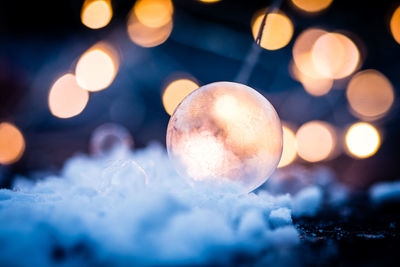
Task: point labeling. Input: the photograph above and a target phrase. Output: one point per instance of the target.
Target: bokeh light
(370, 94)
(223, 132)
(289, 151)
(362, 140)
(153, 13)
(302, 52)
(277, 32)
(66, 98)
(209, 1)
(335, 56)
(314, 86)
(96, 14)
(312, 5)
(96, 68)
(316, 141)
(12, 143)
(145, 36)
(395, 25)
(175, 92)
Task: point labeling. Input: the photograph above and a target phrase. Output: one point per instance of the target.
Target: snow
(385, 192)
(129, 208)
(307, 201)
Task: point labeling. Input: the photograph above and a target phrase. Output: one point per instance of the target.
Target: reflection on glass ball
(223, 132)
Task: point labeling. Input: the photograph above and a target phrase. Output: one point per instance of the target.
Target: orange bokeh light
(66, 98)
(96, 14)
(153, 13)
(335, 56)
(175, 92)
(289, 151)
(145, 36)
(302, 49)
(314, 86)
(277, 32)
(96, 68)
(316, 141)
(312, 5)
(395, 25)
(370, 94)
(12, 143)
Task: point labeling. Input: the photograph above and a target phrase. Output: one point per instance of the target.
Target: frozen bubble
(110, 138)
(225, 132)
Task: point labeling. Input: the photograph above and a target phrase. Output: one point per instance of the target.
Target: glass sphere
(225, 132)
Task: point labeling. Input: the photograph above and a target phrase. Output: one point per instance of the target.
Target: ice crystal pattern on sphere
(225, 132)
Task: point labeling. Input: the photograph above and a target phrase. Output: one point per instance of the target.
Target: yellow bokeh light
(66, 98)
(96, 69)
(209, 1)
(362, 140)
(289, 151)
(370, 94)
(96, 14)
(277, 32)
(146, 36)
(335, 56)
(395, 25)
(153, 13)
(312, 5)
(12, 143)
(175, 92)
(316, 141)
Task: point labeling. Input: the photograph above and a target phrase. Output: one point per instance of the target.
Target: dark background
(41, 40)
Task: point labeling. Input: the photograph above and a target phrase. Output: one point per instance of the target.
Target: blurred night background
(201, 42)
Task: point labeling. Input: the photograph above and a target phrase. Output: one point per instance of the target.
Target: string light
(370, 94)
(66, 98)
(96, 14)
(96, 68)
(12, 143)
(362, 140)
(289, 151)
(175, 92)
(153, 13)
(335, 56)
(395, 25)
(316, 141)
(146, 36)
(312, 6)
(277, 31)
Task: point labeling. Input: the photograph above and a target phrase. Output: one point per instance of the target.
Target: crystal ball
(225, 132)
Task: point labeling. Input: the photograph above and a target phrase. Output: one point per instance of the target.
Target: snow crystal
(385, 192)
(129, 208)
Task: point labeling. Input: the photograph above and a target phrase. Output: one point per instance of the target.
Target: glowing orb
(175, 92)
(316, 141)
(96, 68)
(12, 143)
(370, 94)
(96, 14)
(362, 140)
(277, 31)
(395, 24)
(225, 132)
(66, 98)
(289, 152)
(312, 5)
